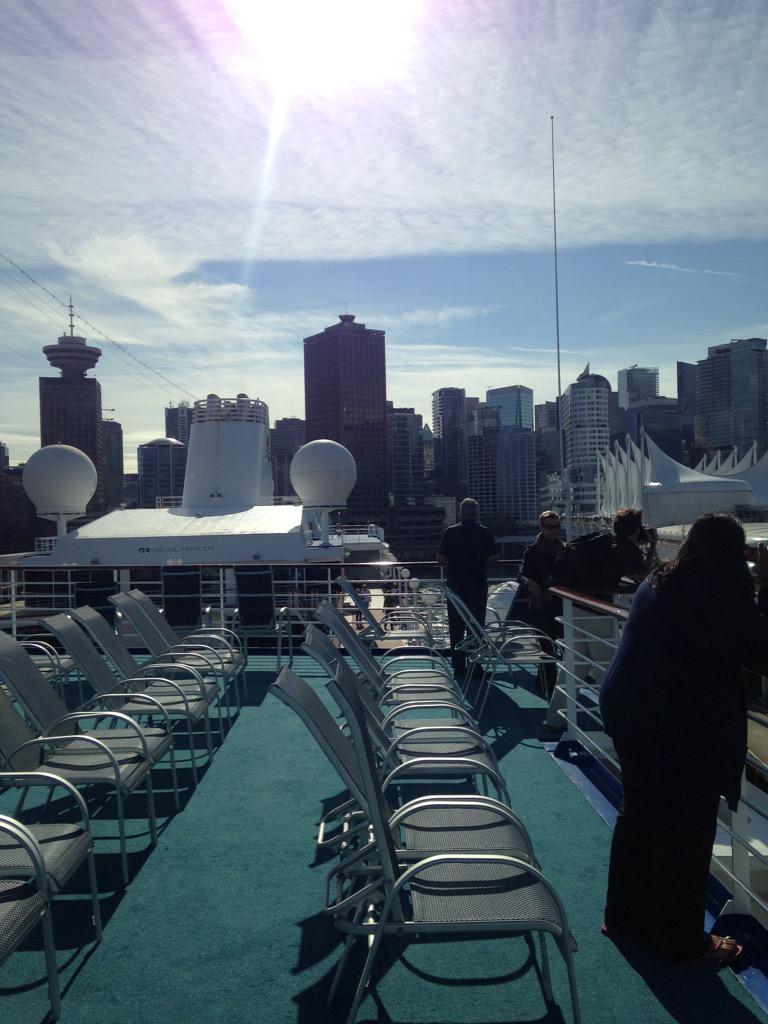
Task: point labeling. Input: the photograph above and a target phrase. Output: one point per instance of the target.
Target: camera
(646, 535)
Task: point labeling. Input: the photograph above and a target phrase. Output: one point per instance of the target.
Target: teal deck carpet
(221, 922)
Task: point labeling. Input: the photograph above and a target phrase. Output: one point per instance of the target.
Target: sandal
(719, 954)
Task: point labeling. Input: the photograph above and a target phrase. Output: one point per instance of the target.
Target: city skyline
(208, 211)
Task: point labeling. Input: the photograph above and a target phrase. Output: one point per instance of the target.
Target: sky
(214, 180)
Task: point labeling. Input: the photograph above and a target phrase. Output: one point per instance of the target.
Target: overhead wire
(96, 330)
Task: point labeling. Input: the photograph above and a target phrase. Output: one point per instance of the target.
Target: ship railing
(29, 592)
(592, 629)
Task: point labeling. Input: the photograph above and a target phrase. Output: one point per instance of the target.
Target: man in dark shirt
(467, 549)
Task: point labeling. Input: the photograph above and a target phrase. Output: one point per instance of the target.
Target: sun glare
(322, 46)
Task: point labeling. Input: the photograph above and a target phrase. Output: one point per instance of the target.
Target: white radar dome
(323, 473)
(59, 480)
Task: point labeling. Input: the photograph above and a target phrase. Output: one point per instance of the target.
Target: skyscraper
(112, 433)
(515, 451)
(636, 383)
(285, 439)
(686, 403)
(162, 464)
(5, 459)
(515, 405)
(70, 405)
(732, 396)
(178, 420)
(345, 396)
(586, 433)
(449, 426)
(405, 456)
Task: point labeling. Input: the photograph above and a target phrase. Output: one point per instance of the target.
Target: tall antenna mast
(557, 306)
(71, 319)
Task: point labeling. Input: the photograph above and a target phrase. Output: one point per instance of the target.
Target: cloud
(683, 270)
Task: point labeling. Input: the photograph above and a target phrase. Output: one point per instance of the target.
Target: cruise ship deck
(221, 920)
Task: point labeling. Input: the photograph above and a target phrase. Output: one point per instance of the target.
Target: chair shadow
(312, 1005)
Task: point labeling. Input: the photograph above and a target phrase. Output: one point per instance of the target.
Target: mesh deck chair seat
(212, 651)
(63, 846)
(516, 644)
(436, 822)
(187, 698)
(394, 684)
(414, 743)
(402, 624)
(120, 757)
(256, 615)
(24, 904)
(450, 893)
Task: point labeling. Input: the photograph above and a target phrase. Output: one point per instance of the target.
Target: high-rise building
(70, 404)
(285, 439)
(345, 395)
(660, 419)
(732, 396)
(515, 405)
(482, 448)
(449, 426)
(505, 448)
(686, 403)
(636, 383)
(586, 434)
(178, 420)
(547, 442)
(405, 456)
(162, 464)
(112, 434)
(5, 458)
(428, 442)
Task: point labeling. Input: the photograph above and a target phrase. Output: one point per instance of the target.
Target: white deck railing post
(569, 669)
(740, 903)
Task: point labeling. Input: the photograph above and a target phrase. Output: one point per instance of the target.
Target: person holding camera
(630, 538)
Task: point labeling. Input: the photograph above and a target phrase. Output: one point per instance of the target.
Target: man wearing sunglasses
(538, 562)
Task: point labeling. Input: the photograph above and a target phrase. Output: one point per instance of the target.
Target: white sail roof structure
(757, 478)
(646, 477)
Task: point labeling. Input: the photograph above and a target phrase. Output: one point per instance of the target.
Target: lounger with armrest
(112, 750)
(25, 903)
(179, 689)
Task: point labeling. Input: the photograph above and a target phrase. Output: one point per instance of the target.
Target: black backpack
(588, 561)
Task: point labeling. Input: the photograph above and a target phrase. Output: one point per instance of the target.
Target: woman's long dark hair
(715, 543)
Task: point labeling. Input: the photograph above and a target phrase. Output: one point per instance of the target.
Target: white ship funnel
(227, 467)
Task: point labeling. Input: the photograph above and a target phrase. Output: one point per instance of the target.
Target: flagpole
(557, 307)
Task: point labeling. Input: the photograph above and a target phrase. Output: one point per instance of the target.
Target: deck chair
(116, 752)
(63, 846)
(429, 823)
(212, 651)
(393, 683)
(25, 903)
(515, 644)
(394, 625)
(256, 615)
(188, 698)
(449, 893)
(96, 592)
(436, 749)
(320, 648)
(182, 600)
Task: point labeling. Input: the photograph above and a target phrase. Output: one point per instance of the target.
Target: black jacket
(675, 688)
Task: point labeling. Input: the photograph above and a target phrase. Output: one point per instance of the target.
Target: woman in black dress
(674, 703)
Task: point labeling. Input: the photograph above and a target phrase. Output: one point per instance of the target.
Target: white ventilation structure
(227, 466)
